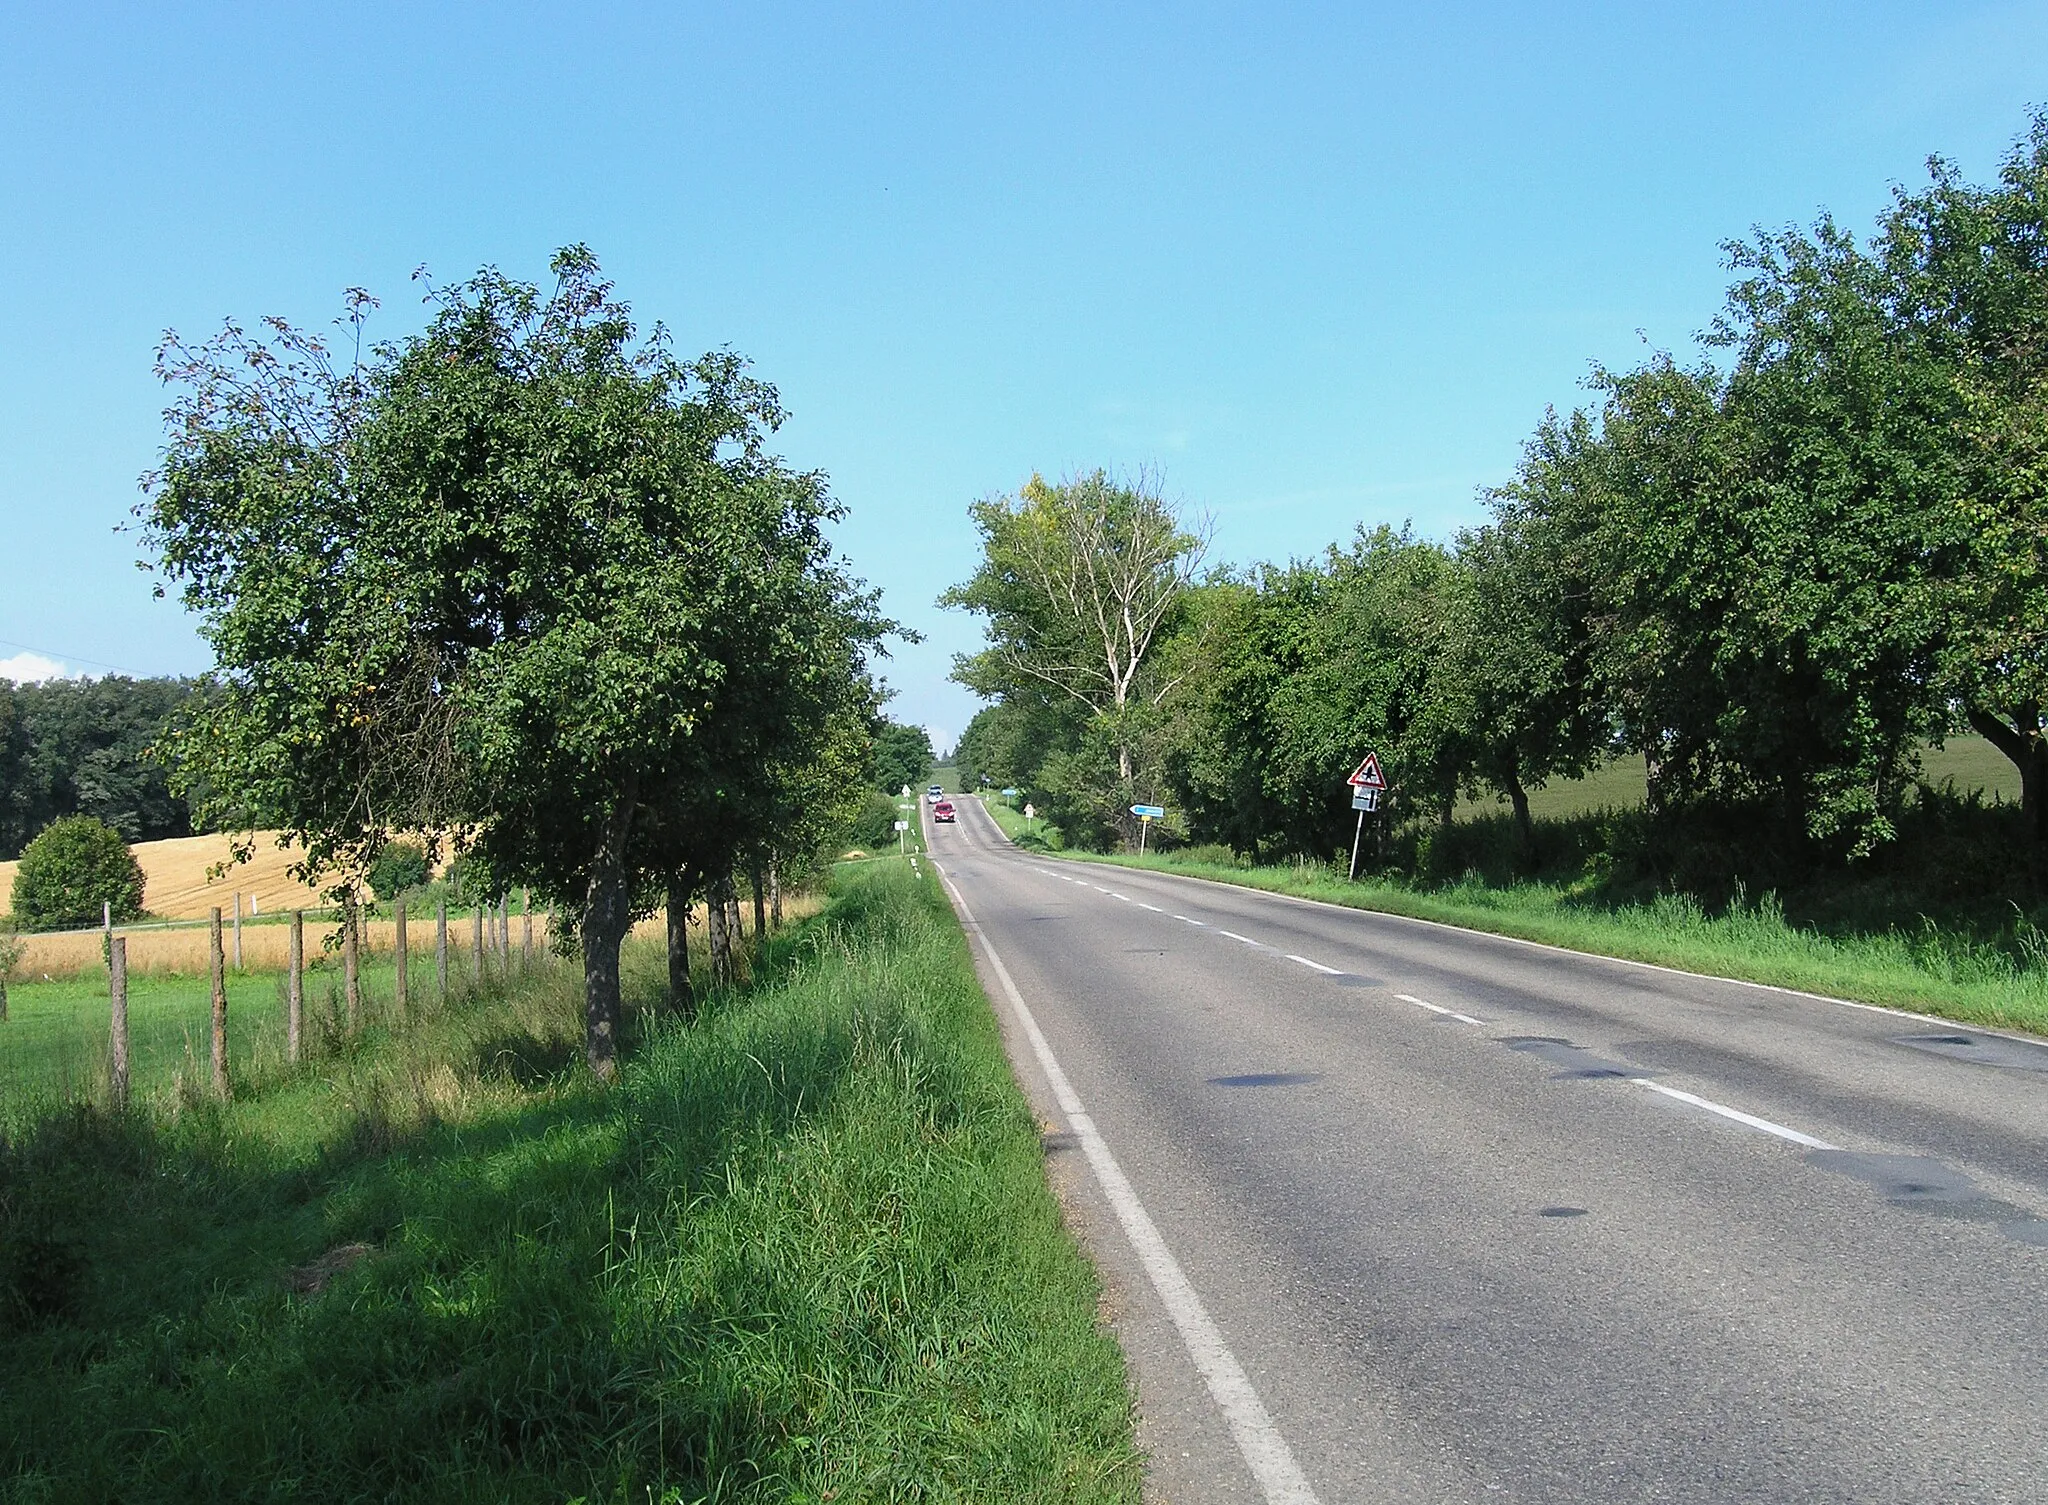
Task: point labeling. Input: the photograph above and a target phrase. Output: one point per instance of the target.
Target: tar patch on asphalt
(1560, 1212)
(1572, 1061)
(1268, 1079)
(1981, 1050)
(1924, 1184)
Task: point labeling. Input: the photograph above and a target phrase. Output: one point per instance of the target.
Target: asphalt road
(1394, 1212)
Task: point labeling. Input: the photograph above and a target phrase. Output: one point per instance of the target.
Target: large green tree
(1080, 582)
(1961, 274)
(523, 577)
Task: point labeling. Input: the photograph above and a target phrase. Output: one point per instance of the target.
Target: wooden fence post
(401, 992)
(441, 947)
(295, 989)
(351, 972)
(476, 943)
(505, 927)
(526, 923)
(117, 1023)
(760, 906)
(238, 931)
(218, 966)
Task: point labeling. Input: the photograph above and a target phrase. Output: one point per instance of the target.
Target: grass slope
(1999, 981)
(803, 1250)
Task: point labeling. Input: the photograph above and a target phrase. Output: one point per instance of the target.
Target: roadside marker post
(902, 841)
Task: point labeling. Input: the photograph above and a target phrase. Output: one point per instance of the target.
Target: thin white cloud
(33, 668)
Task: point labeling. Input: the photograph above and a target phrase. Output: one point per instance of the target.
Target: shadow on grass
(170, 1326)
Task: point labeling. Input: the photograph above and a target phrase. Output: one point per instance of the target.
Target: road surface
(1388, 1211)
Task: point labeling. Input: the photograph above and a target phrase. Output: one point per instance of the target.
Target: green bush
(401, 866)
(874, 825)
(72, 868)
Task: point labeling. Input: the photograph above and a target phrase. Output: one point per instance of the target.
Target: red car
(943, 810)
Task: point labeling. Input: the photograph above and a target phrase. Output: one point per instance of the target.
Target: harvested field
(182, 949)
(165, 951)
(176, 886)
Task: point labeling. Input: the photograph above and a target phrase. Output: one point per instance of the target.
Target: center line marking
(1125, 897)
(1153, 907)
(1185, 918)
(1259, 1442)
(1327, 971)
(1748, 1119)
(1245, 938)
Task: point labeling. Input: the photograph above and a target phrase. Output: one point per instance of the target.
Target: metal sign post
(902, 841)
(1366, 786)
(1146, 815)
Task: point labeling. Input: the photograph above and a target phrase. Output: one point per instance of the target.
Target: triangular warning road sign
(1369, 775)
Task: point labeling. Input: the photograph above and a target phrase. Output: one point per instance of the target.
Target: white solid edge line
(1318, 966)
(1735, 1113)
(1264, 1450)
(1596, 956)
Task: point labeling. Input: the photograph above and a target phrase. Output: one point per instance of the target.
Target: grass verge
(803, 1250)
(1933, 969)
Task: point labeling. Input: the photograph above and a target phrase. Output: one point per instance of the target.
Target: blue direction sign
(1149, 812)
(1009, 794)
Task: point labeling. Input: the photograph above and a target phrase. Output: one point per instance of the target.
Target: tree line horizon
(1775, 573)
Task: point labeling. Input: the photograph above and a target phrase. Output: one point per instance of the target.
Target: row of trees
(83, 747)
(1776, 574)
(525, 582)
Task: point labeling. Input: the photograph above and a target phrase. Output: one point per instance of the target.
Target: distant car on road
(934, 794)
(943, 810)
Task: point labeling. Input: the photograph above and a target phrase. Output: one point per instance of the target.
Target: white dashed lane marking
(1735, 1115)
(1317, 966)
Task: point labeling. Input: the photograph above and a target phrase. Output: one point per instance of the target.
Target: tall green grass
(1997, 980)
(802, 1250)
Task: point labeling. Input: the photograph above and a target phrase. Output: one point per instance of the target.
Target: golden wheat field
(265, 947)
(176, 886)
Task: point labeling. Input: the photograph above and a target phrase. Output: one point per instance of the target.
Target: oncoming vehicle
(934, 794)
(943, 810)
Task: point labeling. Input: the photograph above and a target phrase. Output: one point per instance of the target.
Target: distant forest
(72, 747)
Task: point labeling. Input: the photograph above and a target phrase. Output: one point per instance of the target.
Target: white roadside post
(902, 841)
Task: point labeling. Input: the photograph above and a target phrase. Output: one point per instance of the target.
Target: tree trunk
(682, 999)
(607, 913)
(774, 896)
(1519, 798)
(714, 926)
(2024, 744)
(351, 967)
(760, 905)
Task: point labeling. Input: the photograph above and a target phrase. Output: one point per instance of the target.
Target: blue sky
(1320, 266)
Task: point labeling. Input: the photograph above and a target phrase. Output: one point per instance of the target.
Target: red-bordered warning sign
(1368, 775)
